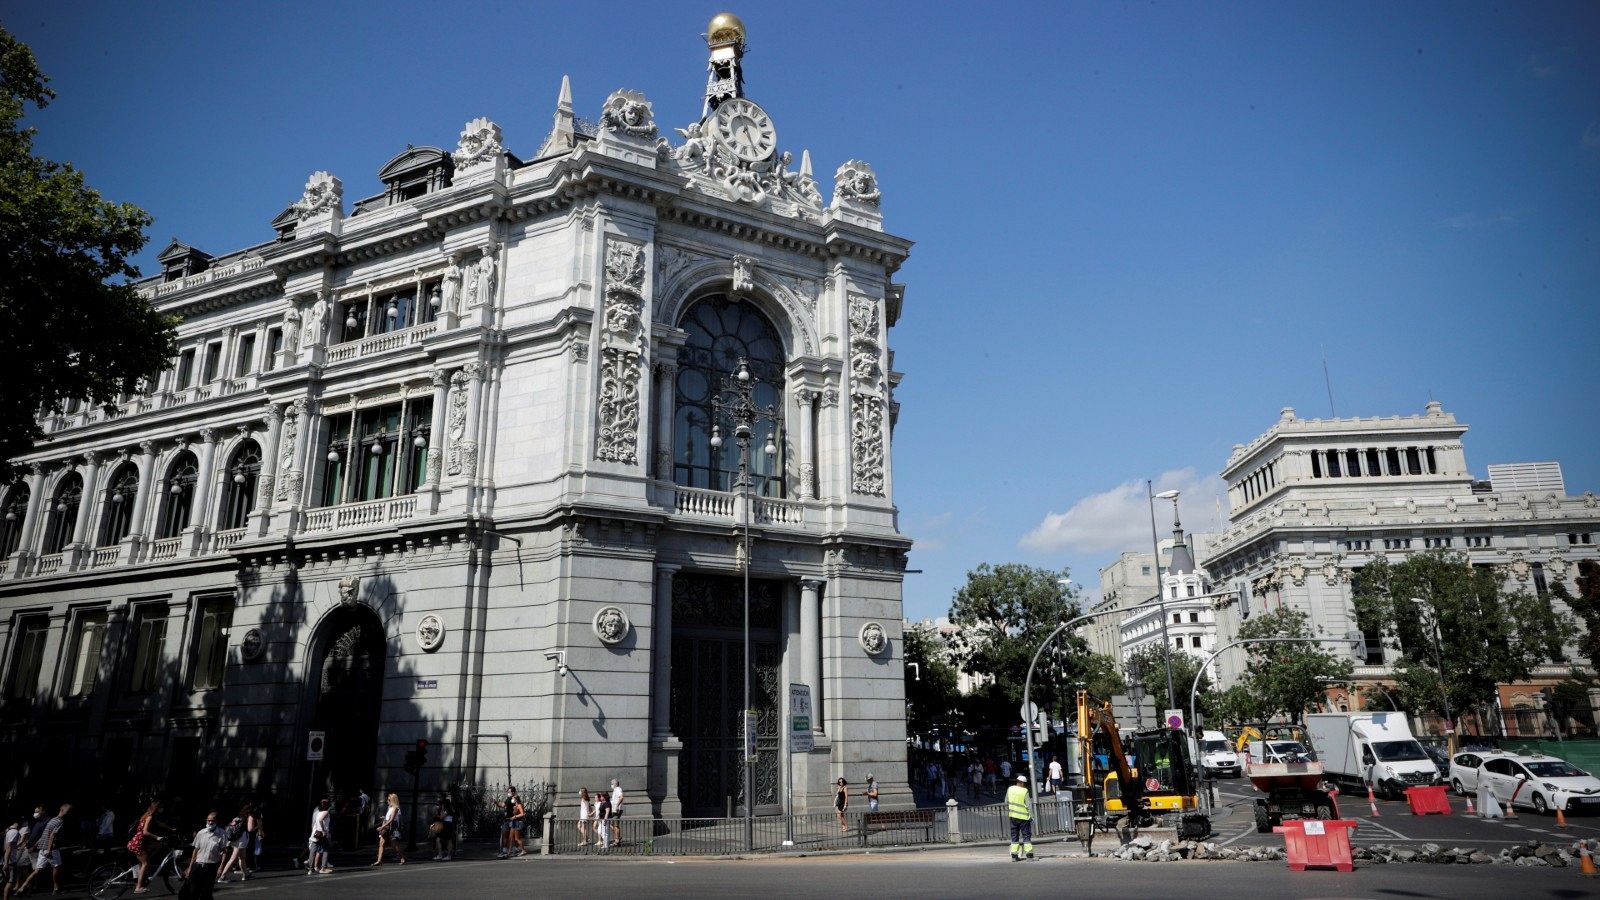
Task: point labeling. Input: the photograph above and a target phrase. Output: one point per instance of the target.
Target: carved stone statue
(856, 182)
(291, 330)
(452, 286)
(316, 322)
(480, 143)
(349, 590)
(483, 289)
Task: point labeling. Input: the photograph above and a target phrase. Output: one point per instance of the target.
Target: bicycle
(112, 880)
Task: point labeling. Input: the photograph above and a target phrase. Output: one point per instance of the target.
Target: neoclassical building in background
(455, 462)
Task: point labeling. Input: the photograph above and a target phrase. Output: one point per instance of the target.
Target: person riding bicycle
(146, 842)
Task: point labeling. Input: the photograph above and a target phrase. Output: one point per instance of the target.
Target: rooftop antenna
(1328, 382)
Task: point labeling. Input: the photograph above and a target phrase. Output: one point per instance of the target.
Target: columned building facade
(460, 462)
(1311, 501)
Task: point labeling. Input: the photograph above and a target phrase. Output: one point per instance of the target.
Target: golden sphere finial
(725, 28)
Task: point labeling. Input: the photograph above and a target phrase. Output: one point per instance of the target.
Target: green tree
(1005, 613)
(1284, 678)
(1482, 634)
(931, 692)
(1237, 706)
(1100, 676)
(1150, 663)
(1586, 606)
(66, 332)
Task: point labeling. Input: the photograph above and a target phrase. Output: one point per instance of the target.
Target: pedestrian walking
(105, 832)
(1005, 770)
(1056, 775)
(1019, 811)
(317, 844)
(841, 802)
(585, 816)
(239, 832)
(146, 842)
(390, 833)
(872, 794)
(14, 855)
(975, 775)
(444, 829)
(511, 825)
(210, 844)
(47, 852)
(617, 800)
(990, 770)
(257, 840)
(363, 812)
(602, 820)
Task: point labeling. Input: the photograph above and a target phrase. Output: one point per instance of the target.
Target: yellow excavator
(1158, 780)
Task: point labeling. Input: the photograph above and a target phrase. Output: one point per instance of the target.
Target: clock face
(746, 129)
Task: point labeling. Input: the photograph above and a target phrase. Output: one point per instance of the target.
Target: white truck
(1376, 749)
(1217, 757)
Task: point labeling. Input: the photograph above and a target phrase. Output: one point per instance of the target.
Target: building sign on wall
(800, 718)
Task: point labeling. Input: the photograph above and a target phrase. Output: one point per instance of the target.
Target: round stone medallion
(252, 645)
(873, 638)
(611, 625)
(430, 633)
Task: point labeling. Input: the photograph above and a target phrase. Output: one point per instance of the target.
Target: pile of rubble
(1530, 854)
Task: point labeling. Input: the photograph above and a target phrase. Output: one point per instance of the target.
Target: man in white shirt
(209, 844)
(1056, 775)
(616, 810)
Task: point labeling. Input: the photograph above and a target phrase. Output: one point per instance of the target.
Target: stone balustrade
(104, 556)
(49, 564)
(166, 548)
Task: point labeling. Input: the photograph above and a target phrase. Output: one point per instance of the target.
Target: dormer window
(417, 171)
(180, 260)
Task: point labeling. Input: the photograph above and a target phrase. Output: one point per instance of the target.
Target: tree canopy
(1149, 662)
(1482, 634)
(1006, 612)
(1284, 678)
(931, 688)
(67, 332)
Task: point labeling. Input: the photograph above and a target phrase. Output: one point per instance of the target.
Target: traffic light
(416, 759)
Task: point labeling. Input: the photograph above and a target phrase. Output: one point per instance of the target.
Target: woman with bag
(239, 833)
(317, 844)
(389, 832)
(585, 814)
(443, 829)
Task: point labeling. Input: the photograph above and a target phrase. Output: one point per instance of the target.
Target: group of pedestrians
(33, 845)
(600, 817)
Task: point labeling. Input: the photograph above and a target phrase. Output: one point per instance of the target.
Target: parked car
(1441, 761)
(1542, 782)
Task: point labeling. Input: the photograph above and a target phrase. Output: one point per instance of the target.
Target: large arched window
(12, 520)
(721, 332)
(118, 513)
(239, 492)
(63, 513)
(179, 486)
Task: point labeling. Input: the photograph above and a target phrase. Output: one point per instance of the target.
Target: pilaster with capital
(807, 399)
(141, 498)
(461, 459)
(661, 654)
(434, 466)
(666, 382)
(200, 511)
(811, 641)
(273, 414)
(30, 525)
(91, 489)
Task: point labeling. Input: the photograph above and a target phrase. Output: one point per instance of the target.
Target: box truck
(1376, 749)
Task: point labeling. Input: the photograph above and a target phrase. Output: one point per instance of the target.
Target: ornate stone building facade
(445, 464)
(1313, 500)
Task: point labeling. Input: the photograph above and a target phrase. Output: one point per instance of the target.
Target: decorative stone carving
(291, 330)
(1557, 567)
(744, 274)
(873, 638)
(630, 113)
(611, 625)
(286, 447)
(323, 194)
(430, 633)
(451, 299)
(1297, 573)
(480, 288)
(830, 396)
(479, 144)
(622, 347)
(456, 422)
(316, 322)
(1332, 572)
(856, 182)
(1520, 568)
(349, 590)
(714, 168)
(866, 398)
(672, 260)
(252, 645)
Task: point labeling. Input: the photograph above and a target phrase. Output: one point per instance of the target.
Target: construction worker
(1018, 809)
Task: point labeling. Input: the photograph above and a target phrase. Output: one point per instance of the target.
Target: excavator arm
(1091, 715)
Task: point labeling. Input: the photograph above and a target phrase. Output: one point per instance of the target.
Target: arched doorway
(347, 693)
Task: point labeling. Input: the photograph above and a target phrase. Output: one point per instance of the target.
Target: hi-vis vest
(1017, 802)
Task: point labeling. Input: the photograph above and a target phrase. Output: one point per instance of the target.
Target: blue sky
(1139, 226)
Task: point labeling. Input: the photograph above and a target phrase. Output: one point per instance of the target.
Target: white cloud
(1119, 519)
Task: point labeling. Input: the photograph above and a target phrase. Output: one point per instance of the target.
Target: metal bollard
(951, 807)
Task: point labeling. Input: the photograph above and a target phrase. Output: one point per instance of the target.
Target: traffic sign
(316, 742)
(800, 740)
(1174, 719)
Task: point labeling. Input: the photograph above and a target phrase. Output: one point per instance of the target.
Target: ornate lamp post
(735, 400)
(1166, 645)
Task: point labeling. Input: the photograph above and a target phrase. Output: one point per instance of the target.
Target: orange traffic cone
(1586, 859)
(1511, 809)
(1470, 810)
(1561, 818)
(1372, 801)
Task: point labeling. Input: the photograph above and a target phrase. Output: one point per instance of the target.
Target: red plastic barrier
(1324, 844)
(1428, 800)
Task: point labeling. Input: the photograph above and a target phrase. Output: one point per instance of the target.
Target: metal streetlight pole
(1444, 693)
(735, 399)
(1155, 546)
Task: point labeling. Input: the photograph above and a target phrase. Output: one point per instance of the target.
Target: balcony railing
(105, 556)
(166, 548)
(357, 515)
(222, 540)
(50, 564)
(688, 501)
(380, 343)
(779, 512)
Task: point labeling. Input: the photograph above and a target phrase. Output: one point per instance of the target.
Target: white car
(1544, 783)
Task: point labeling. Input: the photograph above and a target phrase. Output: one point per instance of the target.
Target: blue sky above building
(1140, 227)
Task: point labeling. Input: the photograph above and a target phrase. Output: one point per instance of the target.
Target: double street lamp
(735, 400)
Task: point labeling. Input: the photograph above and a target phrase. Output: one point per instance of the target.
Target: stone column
(436, 436)
(808, 442)
(91, 489)
(261, 508)
(664, 746)
(666, 387)
(147, 481)
(30, 525)
(200, 505)
(811, 644)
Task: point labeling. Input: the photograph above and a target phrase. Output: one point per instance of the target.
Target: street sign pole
(316, 743)
(799, 740)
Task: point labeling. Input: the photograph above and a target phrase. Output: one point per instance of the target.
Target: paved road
(1396, 825)
(955, 873)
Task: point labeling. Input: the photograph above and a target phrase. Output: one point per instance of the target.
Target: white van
(1374, 749)
(1217, 756)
